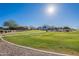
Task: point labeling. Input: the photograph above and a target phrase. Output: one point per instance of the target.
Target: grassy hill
(63, 42)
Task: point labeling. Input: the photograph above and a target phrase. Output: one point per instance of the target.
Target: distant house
(63, 30)
(56, 29)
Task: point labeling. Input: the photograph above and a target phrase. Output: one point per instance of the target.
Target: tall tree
(10, 24)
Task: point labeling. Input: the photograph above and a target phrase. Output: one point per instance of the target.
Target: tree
(22, 28)
(11, 24)
(66, 27)
(1, 27)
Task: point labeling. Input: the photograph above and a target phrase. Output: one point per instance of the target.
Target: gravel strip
(7, 49)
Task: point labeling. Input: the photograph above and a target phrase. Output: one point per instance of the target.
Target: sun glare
(50, 9)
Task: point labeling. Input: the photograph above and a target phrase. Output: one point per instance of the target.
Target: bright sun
(50, 9)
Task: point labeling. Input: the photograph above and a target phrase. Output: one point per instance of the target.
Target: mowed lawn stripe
(63, 42)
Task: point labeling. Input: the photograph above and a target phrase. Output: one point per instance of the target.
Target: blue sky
(33, 14)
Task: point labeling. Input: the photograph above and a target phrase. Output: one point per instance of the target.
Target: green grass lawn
(63, 42)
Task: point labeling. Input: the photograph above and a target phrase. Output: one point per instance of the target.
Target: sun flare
(50, 9)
